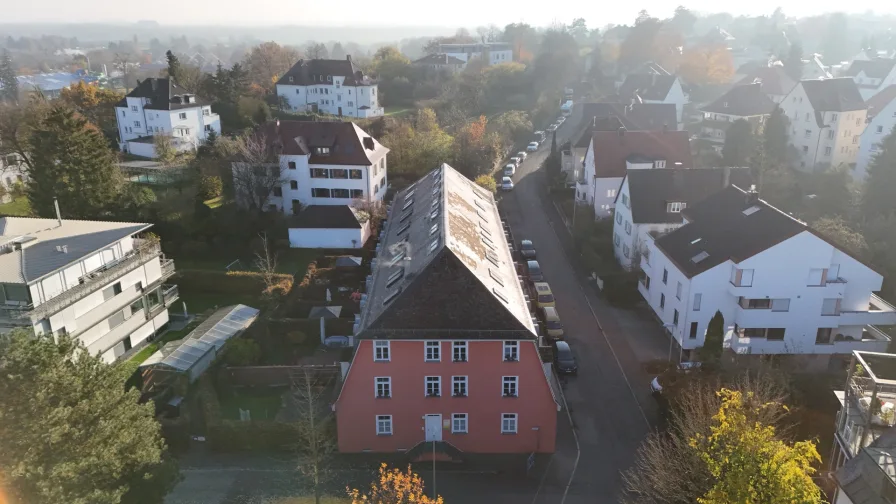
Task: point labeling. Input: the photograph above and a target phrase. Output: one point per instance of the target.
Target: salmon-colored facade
(485, 404)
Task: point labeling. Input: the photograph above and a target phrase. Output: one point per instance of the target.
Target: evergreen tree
(174, 67)
(711, 351)
(262, 114)
(793, 64)
(9, 86)
(71, 431)
(71, 160)
(739, 144)
(774, 137)
(878, 201)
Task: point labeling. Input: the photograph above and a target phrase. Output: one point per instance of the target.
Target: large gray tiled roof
(651, 190)
(28, 246)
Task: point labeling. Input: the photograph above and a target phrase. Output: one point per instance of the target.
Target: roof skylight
(433, 229)
(750, 211)
(394, 294)
(395, 277)
(496, 277)
(699, 257)
(404, 228)
(406, 215)
(408, 203)
(500, 295)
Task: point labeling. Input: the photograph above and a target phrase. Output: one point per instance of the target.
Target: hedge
(230, 282)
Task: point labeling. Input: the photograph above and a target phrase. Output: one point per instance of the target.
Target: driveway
(609, 401)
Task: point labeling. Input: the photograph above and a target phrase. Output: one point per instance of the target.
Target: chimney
(726, 177)
(621, 131)
(58, 214)
(154, 83)
(594, 122)
(752, 196)
(348, 57)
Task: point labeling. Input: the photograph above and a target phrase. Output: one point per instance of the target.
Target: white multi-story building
(612, 153)
(93, 280)
(324, 163)
(872, 76)
(333, 87)
(827, 117)
(653, 88)
(651, 201)
(496, 52)
(162, 107)
(745, 101)
(881, 121)
(781, 287)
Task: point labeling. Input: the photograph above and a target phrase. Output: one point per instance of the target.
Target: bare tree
(310, 391)
(316, 50)
(122, 63)
(268, 61)
(266, 262)
(256, 169)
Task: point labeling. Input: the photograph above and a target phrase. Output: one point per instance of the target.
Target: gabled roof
(833, 95)
(612, 149)
(317, 71)
(879, 101)
(36, 254)
(647, 86)
(876, 68)
(326, 217)
(475, 47)
(439, 59)
(651, 190)
(633, 117)
(444, 268)
(743, 100)
(164, 94)
(774, 79)
(348, 144)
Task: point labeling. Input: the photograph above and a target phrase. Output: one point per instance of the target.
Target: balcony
(879, 312)
(867, 401)
(739, 290)
(169, 294)
(645, 259)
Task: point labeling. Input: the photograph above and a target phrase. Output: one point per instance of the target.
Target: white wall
(333, 97)
(372, 177)
(329, 238)
(880, 126)
(635, 240)
(142, 149)
(199, 119)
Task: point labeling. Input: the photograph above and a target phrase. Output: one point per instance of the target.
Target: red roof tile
(613, 148)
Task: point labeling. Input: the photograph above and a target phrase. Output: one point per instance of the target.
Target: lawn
(291, 261)
(18, 207)
(263, 404)
(398, 110)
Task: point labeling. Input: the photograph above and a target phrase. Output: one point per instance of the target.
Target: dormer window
(725, 104)
(660, 164)
(329, 78)
(675, 206)
(291, 79)
(323, 151)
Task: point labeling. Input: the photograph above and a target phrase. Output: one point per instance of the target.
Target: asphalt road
(608, 400)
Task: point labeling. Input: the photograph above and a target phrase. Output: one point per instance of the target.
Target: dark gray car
(533, 271)
(564, 360)
(527, 249)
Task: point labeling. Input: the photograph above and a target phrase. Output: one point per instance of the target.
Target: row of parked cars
(510, 170)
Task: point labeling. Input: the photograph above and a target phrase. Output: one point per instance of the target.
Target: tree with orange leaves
(393, 486)
(707, 64)
(96, 104)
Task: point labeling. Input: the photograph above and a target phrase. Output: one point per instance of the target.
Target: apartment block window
(511, 351)
(278, 192)
(433, 351)
(817, 277)
(133, 108)
(805, 149)
(384, 425)
(823, 336)
(381, 351)
(616, 239)
(774, 334)
(293, 184)
(320, 173)
(755, 304)
(781, 305)
(858, 121)
(625, 200)
(433, 386)
(459, 386)
(383, 386)
(678, 291)
(660, 164)
(618, 218)
(136, 124)
(625, 250)
(182, 115)
(459, 351)
(611, 193)
(855, 139)
(693, 333)
(116, 319)
(319, 192)
(808, 133)
(698, 298)
(339, 193)
(827, 151)
(111, 291)
(291, 165)
(355, 174)
(833, 117)
(510, 386)
(830, 306)
(628, 228)
(459, 423)
(675, 318)
(831, 134)
(357, 193)
(508, 423)
(662, 301)
(742, 277)
(665, 276)
(808, 115)
(338, 173)
(879, 130)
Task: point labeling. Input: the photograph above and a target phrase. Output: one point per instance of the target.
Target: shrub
(241, 352)
(231, 282)
(210, 186)
(487, 182)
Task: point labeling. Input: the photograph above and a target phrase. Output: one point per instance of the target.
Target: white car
(516, 160)
(552, 128)
(522, 155)
(561, 120)
(509, 170)
(506, 184)
(532, 147)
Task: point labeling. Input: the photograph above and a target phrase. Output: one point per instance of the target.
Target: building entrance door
(340, 111)
(433, 427)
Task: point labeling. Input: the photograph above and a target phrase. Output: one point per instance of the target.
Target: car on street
(506, 184)
(561, 120)
(509, 170)
(564, 360)
(532, 147)
(522, 155)
(527, 249)
(552, 128)
(533, 271)
(552, 322)
(544, 297)
(516, 160)
(539, 136)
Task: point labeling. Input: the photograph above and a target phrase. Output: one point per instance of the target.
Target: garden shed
(193, 354)
(329, 226)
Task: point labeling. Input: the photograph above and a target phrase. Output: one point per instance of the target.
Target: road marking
(572, 426)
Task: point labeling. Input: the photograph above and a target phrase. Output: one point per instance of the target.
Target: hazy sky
(396, 12)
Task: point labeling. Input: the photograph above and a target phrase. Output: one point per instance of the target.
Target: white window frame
(182, 116)
(463, 418)
(698, 299)
(432, 351)
(512, 383)
(511, 349)
(386, 382)
(509, 417)
(380, 348)
(386, 422)
(678, 289)
(437, 380)
(456, 380)
(462, 346)
(675, 206)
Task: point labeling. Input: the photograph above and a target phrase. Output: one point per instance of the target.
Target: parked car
(540, 136)
(552, 128)
(552, 322)
(532, 147)
(533, 271)
(509, 170)
(506, 184)
(543, 295)
(522, 155)
(564, 360)
(561, 119)
(517, 161)
(527, 249)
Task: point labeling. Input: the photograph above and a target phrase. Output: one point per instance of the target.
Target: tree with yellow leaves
(707, 64)
(96, 104)
(394, 487)
(748, 462)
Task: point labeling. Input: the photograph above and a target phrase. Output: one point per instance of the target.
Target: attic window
(406, 215)
(407, 204)
(329, 78)
(751, 210)
(434, 213)
(699, 257)
(290, 78)
(481, 216)
(501, 296)
(433, 246)
(408, 195)
(392, 296)
(675, 206)
(404, 228)
(395, 277)
(492, 258)
(433, 229)
(323, 151)
(496, 277)
(479, 204)
(725, 104)
(485, 231)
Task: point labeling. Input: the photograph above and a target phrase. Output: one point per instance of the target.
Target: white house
(612, 153)
(746, 101)
(653, 88)
(441, 62)
(329, 226)
(335, 87)
(162, 107)
(495, 52)
(881, 121)
(780, 286)
(651, 201)
(324, 163)
(93, 280)
(827, 117)
(872, 76)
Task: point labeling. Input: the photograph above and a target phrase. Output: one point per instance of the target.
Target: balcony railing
(90, 283)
